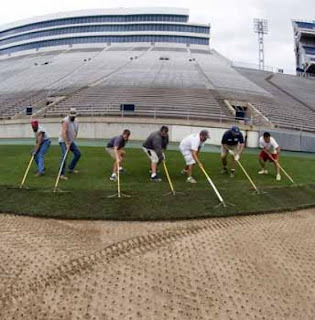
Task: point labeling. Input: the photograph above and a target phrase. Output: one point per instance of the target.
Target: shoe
(225, 170)
(155, 179)
(232, 174)
(263, 171)
(191, 180)
(62, 177)
(122, 170)
(73, 171)
(113, 178)
(278, 177)
(184, 172)
(39, 174)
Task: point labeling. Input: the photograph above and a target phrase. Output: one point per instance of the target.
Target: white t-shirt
(72, 131)
(43, 130)
(270, 146)
(191, 142)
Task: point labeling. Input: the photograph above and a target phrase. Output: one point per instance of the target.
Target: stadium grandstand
(143, 63)
(304, 35)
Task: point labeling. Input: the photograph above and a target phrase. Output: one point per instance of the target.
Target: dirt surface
(255, 267)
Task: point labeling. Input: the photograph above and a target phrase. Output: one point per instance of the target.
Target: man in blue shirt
(115, 147)
(232, 143)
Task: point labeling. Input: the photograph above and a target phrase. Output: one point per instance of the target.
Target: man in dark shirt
(154, 146)
(233, 144)
(115, 147)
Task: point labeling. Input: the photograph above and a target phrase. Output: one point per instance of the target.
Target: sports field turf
(88, 191)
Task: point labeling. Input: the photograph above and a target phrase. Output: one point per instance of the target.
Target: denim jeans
(40, 155)
(76, 155)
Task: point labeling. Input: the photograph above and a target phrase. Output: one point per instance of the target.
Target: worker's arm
(241, 148)
(195, 156)
(39, 139)
(64, 132)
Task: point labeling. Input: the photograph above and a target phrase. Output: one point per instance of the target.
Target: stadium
(166, 250)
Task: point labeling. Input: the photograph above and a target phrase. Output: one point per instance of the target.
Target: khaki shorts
(189, 159)
(151, 154)
(111, 152)
(225, 152)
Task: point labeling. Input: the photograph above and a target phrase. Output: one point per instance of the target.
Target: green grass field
(88, 191)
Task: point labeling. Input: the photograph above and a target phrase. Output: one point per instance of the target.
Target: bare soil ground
(254, 267)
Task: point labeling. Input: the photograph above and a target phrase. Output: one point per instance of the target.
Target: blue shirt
(117, 141)
(232, 140)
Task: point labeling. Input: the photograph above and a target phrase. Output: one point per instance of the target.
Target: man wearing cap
(115, 148)
(190, 148)
(41, 147)
(68, 134)
(232, 143)
(154, 148)
(270, 151)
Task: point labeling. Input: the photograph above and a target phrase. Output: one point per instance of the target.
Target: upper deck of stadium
(103, 26)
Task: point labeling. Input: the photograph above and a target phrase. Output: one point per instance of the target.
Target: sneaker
(63, 177)
(263, 171)
(155, 179)
(232, 174)
(278, 177)
(73, 171)
(39, 174)
(113, 178)
(225, 170)
(191, 180)
(184, 172)
(122, 170)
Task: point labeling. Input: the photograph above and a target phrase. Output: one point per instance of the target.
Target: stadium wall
(105, 128)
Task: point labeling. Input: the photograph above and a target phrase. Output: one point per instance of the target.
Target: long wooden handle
(279, 165)
(212, 185)
(168, 177)
(26, 172)
(60, 169)
(247, 175)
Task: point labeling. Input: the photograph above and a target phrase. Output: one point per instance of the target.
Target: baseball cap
(73, 112)
(235, 129)
(205, 133)
(34, 123)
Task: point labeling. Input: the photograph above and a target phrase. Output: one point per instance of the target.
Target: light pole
(261, 28)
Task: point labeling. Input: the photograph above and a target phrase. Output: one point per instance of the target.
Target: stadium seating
(281, 108)
(161, 81)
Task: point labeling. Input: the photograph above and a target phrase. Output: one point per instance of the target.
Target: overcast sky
(231, 22)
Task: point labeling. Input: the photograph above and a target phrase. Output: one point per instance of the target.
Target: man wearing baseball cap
(41, 147)
(68, 134)
(232, 143)
(190, 148)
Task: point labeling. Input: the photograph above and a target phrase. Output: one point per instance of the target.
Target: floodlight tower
(261, 28)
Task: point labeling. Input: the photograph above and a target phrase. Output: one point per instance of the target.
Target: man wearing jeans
(41, 147)
(69, 132)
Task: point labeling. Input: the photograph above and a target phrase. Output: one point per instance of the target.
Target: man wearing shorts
(190, 148)
(115, 148)
(154, 148)
(270, 150)
(232, 143)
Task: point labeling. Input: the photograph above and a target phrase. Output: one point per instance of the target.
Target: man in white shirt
(68, 134)
(270, 150)
(190, 148)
